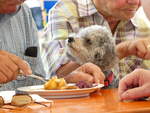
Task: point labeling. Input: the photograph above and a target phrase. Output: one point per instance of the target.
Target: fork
(37, 77)
(34, 76)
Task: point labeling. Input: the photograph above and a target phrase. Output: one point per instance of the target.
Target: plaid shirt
(68, 16)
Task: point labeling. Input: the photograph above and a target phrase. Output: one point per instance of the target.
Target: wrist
(67, 68)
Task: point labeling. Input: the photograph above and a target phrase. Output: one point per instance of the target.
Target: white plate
(67, 93)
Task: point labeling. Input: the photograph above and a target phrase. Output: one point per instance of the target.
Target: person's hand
(10, 65)
(87, 72)
(135, 85)
(139, 48)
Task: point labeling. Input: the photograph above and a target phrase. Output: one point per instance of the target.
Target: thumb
(134, 93)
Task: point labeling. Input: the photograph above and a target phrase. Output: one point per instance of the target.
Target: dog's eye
(88, 41)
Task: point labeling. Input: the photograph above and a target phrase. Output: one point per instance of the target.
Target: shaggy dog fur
(93, 44)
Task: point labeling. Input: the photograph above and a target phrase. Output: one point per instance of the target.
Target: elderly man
(68, 16)
(18, 45)
(136, 84)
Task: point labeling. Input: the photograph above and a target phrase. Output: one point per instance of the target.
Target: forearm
(64, 70)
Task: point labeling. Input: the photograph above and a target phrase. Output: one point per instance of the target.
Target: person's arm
(135, 85)
(58, 32)
(139, 48)
(67, 68)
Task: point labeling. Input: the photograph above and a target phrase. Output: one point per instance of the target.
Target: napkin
(7, 96)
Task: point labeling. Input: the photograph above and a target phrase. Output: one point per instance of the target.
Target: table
(105, 102)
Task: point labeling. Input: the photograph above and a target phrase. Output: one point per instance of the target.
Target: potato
(62, 83)
(50, 85)
(47, 84)
(55, 83)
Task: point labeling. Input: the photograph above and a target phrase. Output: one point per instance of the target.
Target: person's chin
(127, 17)
(9, 10)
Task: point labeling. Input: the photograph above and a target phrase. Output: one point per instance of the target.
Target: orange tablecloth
(105, 102)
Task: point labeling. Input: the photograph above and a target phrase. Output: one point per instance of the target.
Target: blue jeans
(37, 15)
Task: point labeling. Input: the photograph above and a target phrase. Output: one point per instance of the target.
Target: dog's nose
(70, 39)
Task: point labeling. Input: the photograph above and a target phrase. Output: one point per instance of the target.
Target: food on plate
(1, 101)
(55, 83)
(21, 100)
(70, 86)
(58, 83)
(83, 84)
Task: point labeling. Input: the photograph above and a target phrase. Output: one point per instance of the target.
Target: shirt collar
(140, 20)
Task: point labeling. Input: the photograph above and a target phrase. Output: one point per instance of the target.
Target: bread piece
(21, 100)
(1, 101)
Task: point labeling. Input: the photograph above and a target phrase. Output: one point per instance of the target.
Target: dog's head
(93, 44)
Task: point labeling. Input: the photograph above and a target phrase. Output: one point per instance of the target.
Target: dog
(93, 44)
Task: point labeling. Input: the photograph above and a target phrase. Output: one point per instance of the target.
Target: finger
(126, 82)
(3, 78)
(135, 93)
(96, 79)
(143, 51)
(95, 71)
(137, 48)
(6, 72)
(99, 77)
(79, 76)
(23, 65)
(12, 66)
(15, 75)
(86, 77)
(122, 49)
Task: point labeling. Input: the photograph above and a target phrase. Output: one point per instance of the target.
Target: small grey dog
(93, 44)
